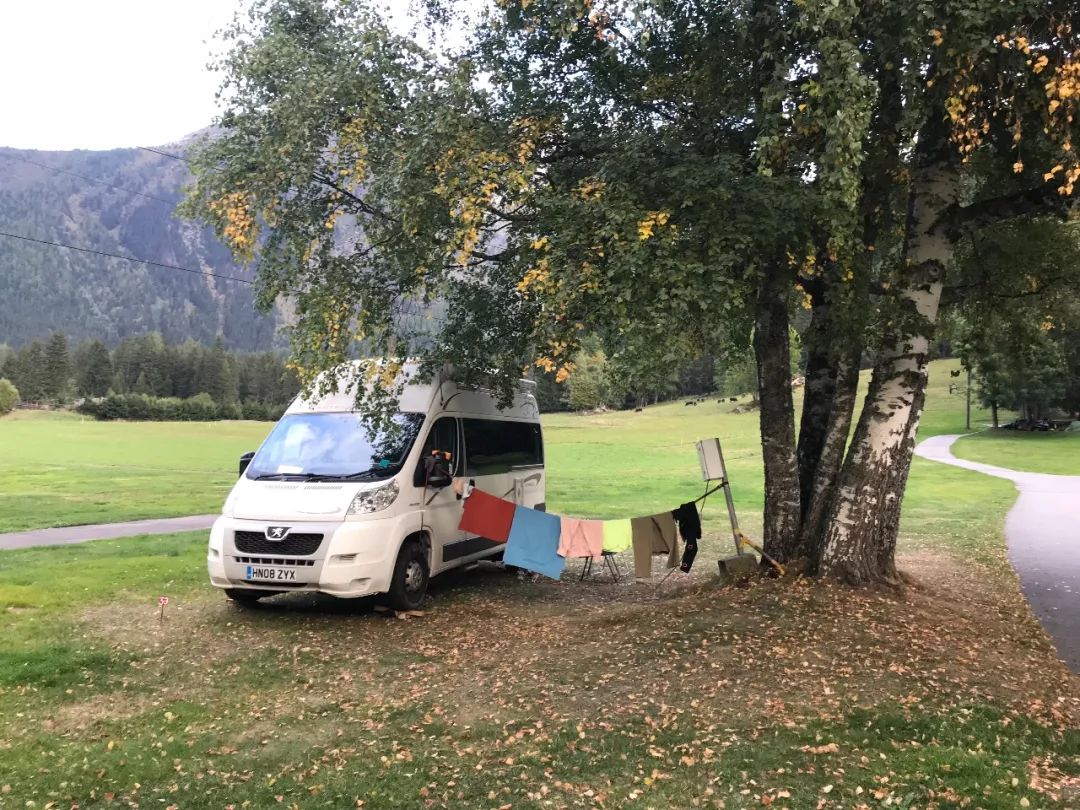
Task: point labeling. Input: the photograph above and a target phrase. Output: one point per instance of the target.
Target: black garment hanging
(688, 555)
(689, 522)
(690, 528)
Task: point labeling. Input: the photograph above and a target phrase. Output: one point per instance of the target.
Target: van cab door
(440, 508)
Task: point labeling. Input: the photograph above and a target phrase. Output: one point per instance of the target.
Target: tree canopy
(669, 177)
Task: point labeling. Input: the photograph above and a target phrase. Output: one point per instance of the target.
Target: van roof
(441, 394)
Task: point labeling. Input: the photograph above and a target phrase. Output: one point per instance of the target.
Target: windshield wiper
(286, 477)
(374, 472)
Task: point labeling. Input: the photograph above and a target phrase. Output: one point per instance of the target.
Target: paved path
(1043, 533)
(104, 531)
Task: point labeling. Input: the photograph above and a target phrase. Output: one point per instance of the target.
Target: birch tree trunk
(859, 540)
(772, 351)
(822, 486)
(818, 393)
(832, 378)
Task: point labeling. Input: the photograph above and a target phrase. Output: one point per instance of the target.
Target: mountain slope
(43, 288)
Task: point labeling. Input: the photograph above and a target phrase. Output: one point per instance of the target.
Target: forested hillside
(44, 288)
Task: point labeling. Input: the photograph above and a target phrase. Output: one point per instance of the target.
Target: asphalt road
(104, 531)
(1043, 533)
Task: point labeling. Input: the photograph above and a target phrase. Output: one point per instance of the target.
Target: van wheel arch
(412, 572)
(424, 539)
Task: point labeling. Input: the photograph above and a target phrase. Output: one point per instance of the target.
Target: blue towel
(534, 541)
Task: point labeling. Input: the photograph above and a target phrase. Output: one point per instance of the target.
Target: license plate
(269, 574)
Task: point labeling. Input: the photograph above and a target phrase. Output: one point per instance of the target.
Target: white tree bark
(860, 535)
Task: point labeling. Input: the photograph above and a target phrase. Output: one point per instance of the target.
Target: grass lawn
(60, 469)
(63, 469)
(514, 694)
(1052, 452)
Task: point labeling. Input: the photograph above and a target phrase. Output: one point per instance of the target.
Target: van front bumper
(353, 559)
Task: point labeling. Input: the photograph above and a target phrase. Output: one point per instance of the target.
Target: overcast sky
(99, 74)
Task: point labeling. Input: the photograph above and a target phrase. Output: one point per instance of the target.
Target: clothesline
(717, 488)
(542, 542)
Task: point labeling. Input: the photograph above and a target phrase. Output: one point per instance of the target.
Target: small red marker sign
(163, 601)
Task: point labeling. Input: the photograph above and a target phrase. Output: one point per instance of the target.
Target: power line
(127, 258)
(88, 179)
(163, 154)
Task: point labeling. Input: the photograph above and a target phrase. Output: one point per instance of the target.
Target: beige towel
(656, 534)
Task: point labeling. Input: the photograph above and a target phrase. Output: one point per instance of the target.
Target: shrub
(230, 411)
(9, 396)
(199, 408)
(256, 411)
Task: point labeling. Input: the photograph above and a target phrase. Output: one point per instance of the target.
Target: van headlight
(374, 500)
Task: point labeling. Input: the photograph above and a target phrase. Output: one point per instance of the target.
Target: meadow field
(1057, 453)
(64, 469)
(510, 693)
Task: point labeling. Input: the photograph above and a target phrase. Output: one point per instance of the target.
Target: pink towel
(581, 538)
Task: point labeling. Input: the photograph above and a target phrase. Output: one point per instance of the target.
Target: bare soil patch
(493, 649)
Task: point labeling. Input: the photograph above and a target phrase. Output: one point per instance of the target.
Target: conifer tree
(57, 371)
(95, 372)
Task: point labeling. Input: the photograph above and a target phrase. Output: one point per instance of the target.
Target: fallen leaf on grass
(828, 748)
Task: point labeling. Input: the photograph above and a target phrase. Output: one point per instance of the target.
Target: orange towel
(581, 538)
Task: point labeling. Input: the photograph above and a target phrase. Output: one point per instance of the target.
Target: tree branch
(364, 206)
(955, 220)
(954, 294)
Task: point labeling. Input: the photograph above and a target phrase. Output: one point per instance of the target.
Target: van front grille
(276, 561)
(293, 544)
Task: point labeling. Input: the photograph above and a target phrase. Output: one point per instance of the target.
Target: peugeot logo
(277, 532)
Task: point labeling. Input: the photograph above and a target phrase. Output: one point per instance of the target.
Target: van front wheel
(409, 585)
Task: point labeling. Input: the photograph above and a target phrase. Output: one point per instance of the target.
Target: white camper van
(326, 506)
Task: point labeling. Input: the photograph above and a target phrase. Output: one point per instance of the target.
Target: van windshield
(333, 446)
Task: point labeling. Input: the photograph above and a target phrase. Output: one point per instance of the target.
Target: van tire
(408, 587)
(247, 597)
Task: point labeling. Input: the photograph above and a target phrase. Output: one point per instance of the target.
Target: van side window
(443, 436)
(493, 447)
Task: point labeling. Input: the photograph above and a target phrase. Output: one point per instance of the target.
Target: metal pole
(968, 423)
(730, 501)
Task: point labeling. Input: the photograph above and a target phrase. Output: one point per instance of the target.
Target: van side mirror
(245, 460)
(439, 480)
(434, 471)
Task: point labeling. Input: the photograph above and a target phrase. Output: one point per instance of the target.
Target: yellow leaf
(1018, 167)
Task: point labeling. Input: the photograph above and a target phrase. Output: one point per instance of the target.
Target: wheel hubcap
(414, 576)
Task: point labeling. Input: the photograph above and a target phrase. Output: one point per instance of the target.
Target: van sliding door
(506, 459)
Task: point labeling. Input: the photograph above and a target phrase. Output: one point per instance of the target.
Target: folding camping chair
(609, 562)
